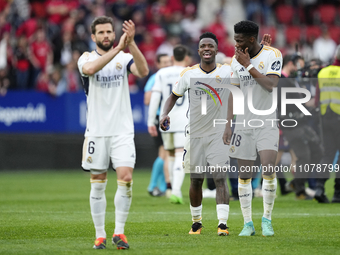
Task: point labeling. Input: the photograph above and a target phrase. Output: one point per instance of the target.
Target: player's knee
(197, 182)
(126, 177)
(98, 175)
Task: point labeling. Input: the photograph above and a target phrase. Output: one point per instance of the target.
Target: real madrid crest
(232, 149)
(89, 160)
(218, 79)
(119, 66)
(261, 65)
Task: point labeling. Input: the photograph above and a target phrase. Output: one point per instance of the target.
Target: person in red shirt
(218, 27)
(40, 54)
(148, 48)
(58, 10)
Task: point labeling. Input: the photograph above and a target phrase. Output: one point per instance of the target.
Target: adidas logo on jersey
(242, 69)
(133, 155)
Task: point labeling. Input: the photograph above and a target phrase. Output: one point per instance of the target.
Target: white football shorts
(244, 143)
(97, 152)
(173, 141)
(199, 152)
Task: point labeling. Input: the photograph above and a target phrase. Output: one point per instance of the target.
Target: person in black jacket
(302, 138)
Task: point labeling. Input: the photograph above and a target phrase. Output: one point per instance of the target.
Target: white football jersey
(166, 79)
(108, 99)
(267, 61)
(199, 83)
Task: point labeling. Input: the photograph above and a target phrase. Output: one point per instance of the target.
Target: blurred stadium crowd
(41, 41)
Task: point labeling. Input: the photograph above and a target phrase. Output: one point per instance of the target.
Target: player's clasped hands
(129, 30)
(165, 123)
(122, 42)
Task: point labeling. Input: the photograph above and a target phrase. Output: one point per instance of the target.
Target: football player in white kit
(256, 69)
(109, 130)
(203, 143)
(173, 139)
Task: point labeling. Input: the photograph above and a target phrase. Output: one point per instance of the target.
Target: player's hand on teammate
(227, 135)
(242, 57)
(129, 29)
(164, 123)
(153, 131)
(266, 40)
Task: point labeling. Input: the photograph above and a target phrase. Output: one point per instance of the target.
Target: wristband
(250, 67)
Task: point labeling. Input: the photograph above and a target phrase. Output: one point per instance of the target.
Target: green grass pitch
(47, 212)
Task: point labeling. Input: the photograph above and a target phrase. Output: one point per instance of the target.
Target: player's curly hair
(209, 35)
(247, 27)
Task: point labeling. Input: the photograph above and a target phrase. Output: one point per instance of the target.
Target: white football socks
(245, 193)
(178, 175)
(123, 199)
(269, 187)
(196, 213)
(222, 213)
(98, 206)
(171, 162)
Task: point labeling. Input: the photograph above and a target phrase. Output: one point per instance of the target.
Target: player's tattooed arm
(268, 82)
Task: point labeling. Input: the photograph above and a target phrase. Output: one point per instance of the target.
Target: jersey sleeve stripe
(129, 65)
(232, 59)
(188, 68)
(275, 73)
(177, 95)
(276, 51)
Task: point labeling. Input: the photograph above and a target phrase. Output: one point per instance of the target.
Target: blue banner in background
(36, 112)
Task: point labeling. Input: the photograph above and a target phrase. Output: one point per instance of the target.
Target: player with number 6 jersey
(109, 129)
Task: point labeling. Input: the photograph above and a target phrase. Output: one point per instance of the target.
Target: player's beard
(105, 47)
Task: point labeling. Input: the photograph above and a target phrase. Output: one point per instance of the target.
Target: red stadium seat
(327, 13)
(312, 32)
(334, 32)
(285, 14)
(293, 34)
(268, 30)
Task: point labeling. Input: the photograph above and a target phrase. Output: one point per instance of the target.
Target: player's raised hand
(129, 29)
(242, 57)
(266, 40)
(227, 135)
(122, 42)
(153, 131)
(164, 123)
